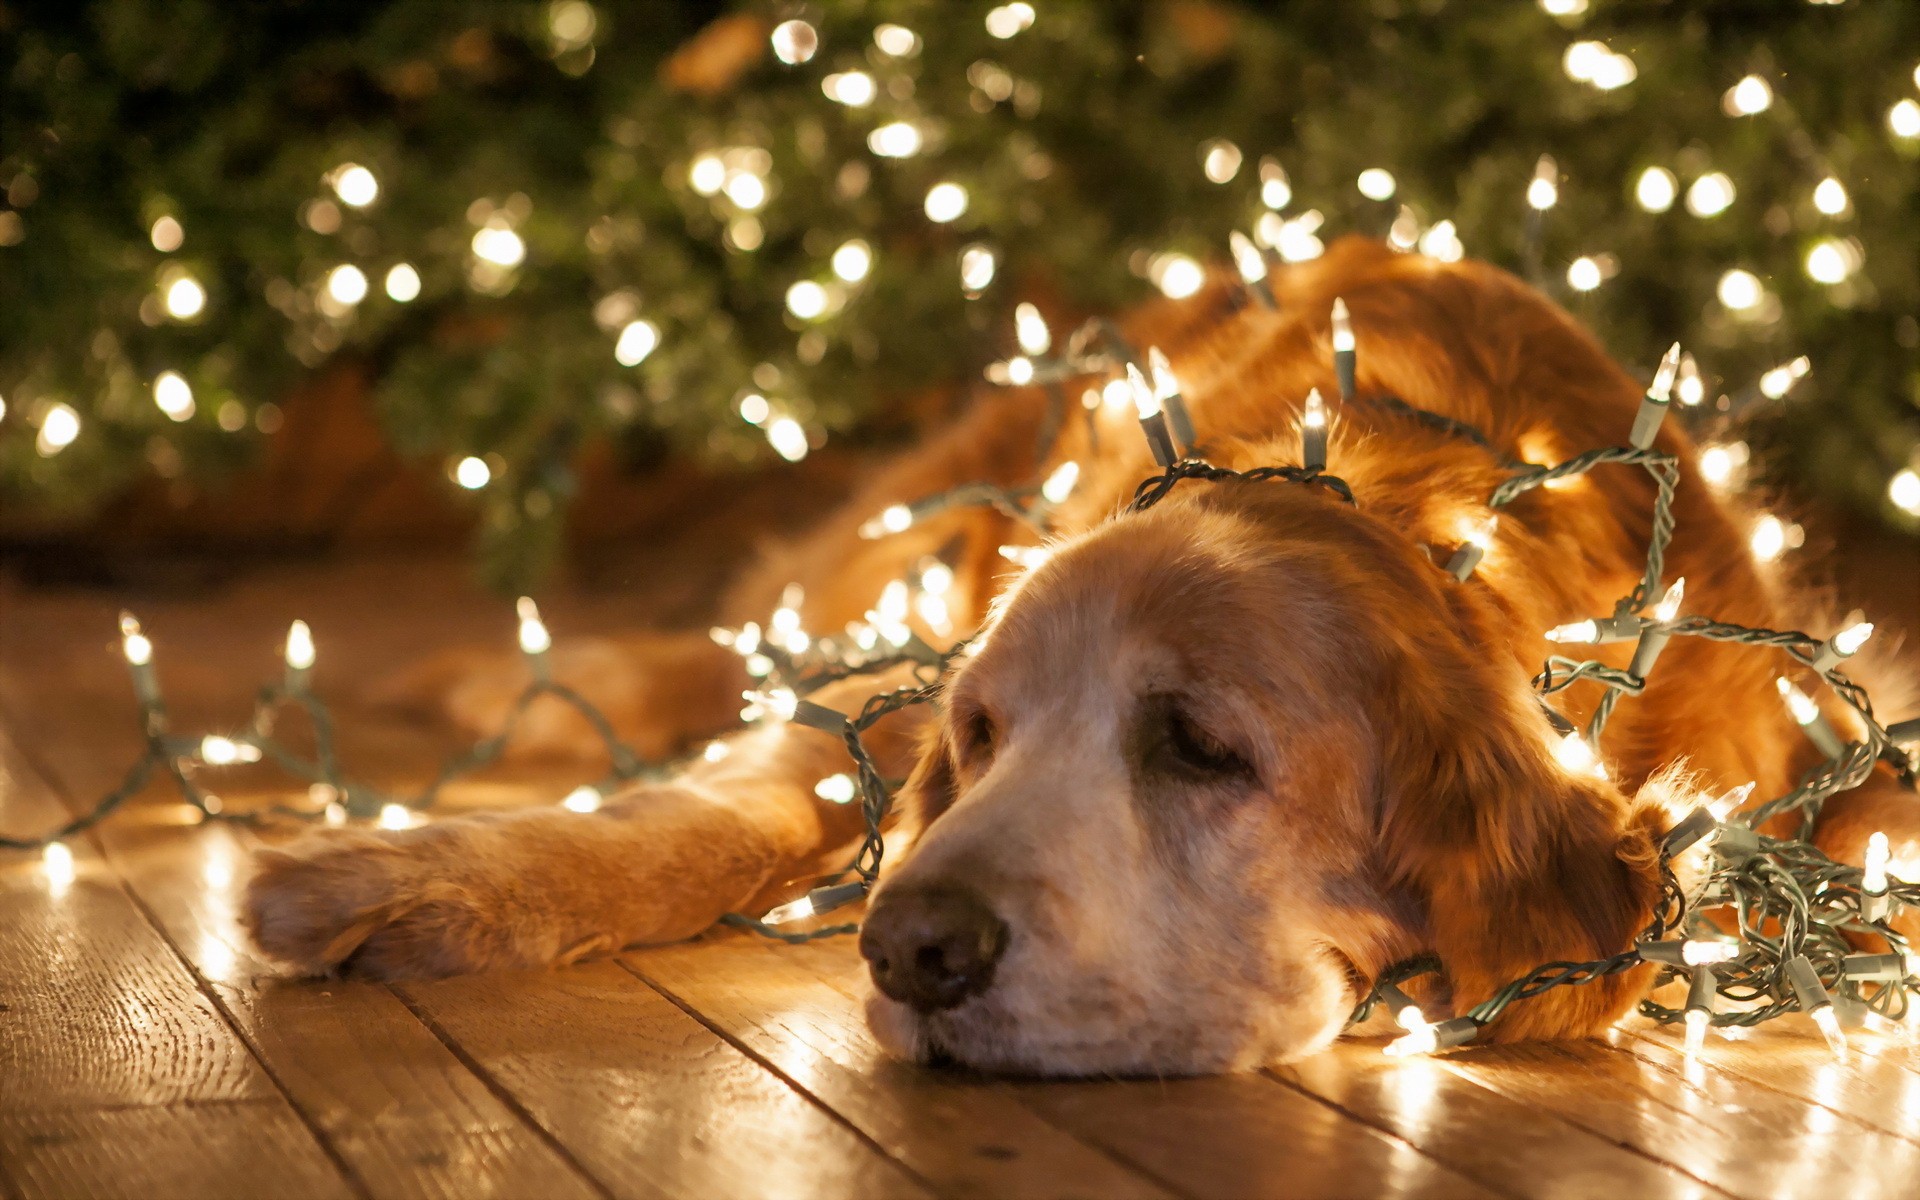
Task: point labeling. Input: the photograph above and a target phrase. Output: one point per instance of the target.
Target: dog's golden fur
(1388, 785)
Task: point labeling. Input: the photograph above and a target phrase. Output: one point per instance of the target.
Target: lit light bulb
(1580, 632)
(1030, 329)
(707, 175)
(1146, 403)
(1376, 183)
(299, 648)
(898, 139)
(472, 473)
(1830, 197)
(1849, 640)
(584, 799)
(1180, 276)
(1698, 952)
(1697, 1021)
(395, 816)
(1276, 191)
(788, 439)
(1669, 606)
(1718, 464)
(780, 701)
(1314, 416)
(1059, 484)
(1733, 801)
(1419, 1038)
(355, 185)
(1710, 195)
(855, 89)
(977, 266)
(1903, 490)
(1583, 274)
(946, 202)
(1769, 538)
(403, 283)
(716, 752)
(897, 40)
(837, 789)
(1904, 119)
(794, 42)
(1543, 192)
(1577, 756)
(1343, 340)
(1740, 290)
(59, 428)
(500, 246)
(1689, 388)
(853, 260)
(1828, 1022)
(1026, 556)
(218, 751)
(534, 638)
(1247, 258)
(1751, 95)
(1656, 190)
(1831, 261)
(1804, 709)
(133, 643)
(185, 298)
(806, 300)
(793, 910)
(637, 340)
(895, 518)
(747, 190)
(56, 862)
(167, 235)
(1220, 160)
(173, 396)
(1873, 876)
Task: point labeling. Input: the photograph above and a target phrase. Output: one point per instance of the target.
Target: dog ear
(1519, 861)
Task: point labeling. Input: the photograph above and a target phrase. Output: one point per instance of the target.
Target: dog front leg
(542, 887)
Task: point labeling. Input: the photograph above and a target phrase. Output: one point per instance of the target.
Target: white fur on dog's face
(1165, 804)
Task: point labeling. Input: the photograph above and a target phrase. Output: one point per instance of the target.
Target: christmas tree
(543, 227)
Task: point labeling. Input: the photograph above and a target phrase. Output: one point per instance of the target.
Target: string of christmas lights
(1792, 906)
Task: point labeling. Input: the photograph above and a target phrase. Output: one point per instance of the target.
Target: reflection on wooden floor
(145, 1052)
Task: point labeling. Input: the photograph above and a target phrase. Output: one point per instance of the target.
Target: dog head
(1215, 765)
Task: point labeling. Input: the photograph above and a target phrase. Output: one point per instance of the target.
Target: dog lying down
(1211, 766)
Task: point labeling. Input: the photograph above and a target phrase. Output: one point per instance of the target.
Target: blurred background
(547, 280)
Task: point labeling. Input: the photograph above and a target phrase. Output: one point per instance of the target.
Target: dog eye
(977, 735)
(1197, 750)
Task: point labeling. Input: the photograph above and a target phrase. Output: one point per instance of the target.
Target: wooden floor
(145, 1052)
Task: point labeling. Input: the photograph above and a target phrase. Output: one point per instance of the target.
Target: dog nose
(931, 948)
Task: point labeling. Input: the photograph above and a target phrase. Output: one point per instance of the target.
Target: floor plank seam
(1392, 1135)
(57, 788)
(500, 1092)
(1602, 1134)
(768, 1066)
(307, 1120)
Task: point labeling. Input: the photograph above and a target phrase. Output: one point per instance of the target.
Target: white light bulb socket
(839, 895)
(819, 716)
(1653, 639)
(1805, 982)
(1874, 968)
(1455, 1031)
(1693, 828)
(1736, 843)
(1159, 439)
(1701, 989)
(1465, 558)
(1647, 422)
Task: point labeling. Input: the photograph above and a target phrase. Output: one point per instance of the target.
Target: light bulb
(1314, 416)
(788, 439)
(56, 862)
(584, 799)
(173, 395)
(1030, 329)
(355, 185)
(1697, 1021)
(472, 473)
(793, 910)
(1730, 803)
(300, 653)
(1276, 191)
(637, 340)
(1343, 340)
(395, 816)
(1146, 404)
(1849, 640)
(1669, 606)
(133, 643)
(1180, 276)
(855, 89)
(1751, 95)
(1580, 632)
(1247, 258)
(1583, 274)
(1710, 195)
(853, 260)
(899, 139)
(1543, 192)
(806, 300)
(1804, 709)
(1769, 538)
(1873, 876)
(837, 789)
(1577, 756)
(1830, 197)
(1697, 952)
(1059, 484)
(1829, 1022)
(895, 518)
(946, 202)
(403, 283)
(534, 638)
(1656, 190)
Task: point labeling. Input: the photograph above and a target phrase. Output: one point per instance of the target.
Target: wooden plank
(964, 1135)
(1747, 1140)
(1485, 1136)
(650, 1101)
(1230, 1137)
(1789, 1056)
(244, 1150)
(393, 1102)
(114, 1067)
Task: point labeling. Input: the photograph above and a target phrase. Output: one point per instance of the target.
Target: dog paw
(385, 905)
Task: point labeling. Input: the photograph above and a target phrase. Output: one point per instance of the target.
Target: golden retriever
(1209, 767)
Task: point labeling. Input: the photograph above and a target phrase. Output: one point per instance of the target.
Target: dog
(1209, 767)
